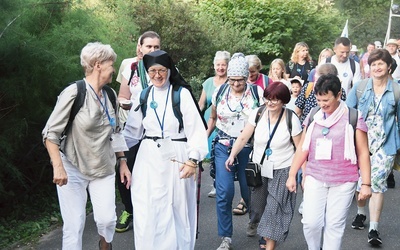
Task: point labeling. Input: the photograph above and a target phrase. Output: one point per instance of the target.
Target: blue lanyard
(165, 108)
(110, 119)
(238, 109)
(300, 70)
(379, 103)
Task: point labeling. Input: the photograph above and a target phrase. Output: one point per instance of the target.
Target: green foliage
(368, 20)
(276, 26)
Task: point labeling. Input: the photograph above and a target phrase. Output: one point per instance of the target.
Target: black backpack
(80, 98)
(353, 117)
(176, 102)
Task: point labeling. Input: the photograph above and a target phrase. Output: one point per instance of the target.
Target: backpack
(176, 102)
(80, 98)
(289, 114)
(353, 117)
(363, 84)
(291, 65)
(352, 64)
(225, 86)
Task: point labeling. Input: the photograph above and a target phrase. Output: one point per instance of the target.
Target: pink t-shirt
(337, 170)
(260, 81)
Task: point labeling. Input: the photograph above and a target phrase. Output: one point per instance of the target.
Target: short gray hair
(222, 55)
(96, 52)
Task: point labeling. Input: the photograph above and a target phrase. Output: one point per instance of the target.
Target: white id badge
(166, 148)
(267, 169)
(323, 150)
(118, 142)
(237, 127)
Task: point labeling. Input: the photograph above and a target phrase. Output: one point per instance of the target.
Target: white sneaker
(301, 207)
(226, 244)
(212, 193)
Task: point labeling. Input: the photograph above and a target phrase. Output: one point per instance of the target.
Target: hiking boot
(226, 244)
(373, 238)
(358, 222)
(251, 229)
(123, 222)
(390, 181)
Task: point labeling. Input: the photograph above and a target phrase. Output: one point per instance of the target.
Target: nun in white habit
(164, 174)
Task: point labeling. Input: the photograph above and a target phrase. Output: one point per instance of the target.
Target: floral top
(233, 112)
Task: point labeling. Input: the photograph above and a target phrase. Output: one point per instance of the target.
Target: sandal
(262, 243)
(240, 209)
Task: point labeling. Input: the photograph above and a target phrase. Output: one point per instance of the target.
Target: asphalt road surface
(389, 227)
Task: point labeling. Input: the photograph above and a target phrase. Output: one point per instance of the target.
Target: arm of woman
(239, 144)
(212, 120)
(124, 94)
(125, 174)
(362, 150)
(202, 100)
(59, 175)
(362, 69)
(299, 158)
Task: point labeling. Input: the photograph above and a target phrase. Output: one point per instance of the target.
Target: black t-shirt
(295, 69)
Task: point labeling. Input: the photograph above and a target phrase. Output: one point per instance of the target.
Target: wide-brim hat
(354, 48)
(392, 41)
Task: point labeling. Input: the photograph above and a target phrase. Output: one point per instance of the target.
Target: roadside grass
(29, 218)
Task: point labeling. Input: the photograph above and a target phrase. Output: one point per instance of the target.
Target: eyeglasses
(274, 102)
(153, 72)
(232, 81)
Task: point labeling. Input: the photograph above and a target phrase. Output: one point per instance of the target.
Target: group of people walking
(289, 121)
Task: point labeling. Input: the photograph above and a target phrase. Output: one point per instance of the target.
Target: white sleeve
(133, 130)
(195, 131)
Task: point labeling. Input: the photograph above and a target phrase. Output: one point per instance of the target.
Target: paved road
(208, 237)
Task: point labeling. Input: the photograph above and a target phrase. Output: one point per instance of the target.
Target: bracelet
(194, 163)
(121, 158)
(364, 184)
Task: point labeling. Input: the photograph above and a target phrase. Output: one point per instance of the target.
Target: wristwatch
(194, 160)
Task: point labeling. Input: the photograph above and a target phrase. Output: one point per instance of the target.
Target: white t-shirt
(345, 74)
(282, 148)
(396, 73)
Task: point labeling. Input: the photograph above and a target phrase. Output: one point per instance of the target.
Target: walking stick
(201, 169)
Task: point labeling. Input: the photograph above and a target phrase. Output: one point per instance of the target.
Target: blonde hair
(254, 61)
(322, 52)
(222, 55)
(296, 50)
(281, 63)
(96, 52)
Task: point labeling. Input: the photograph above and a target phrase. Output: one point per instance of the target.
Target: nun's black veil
(161, 57)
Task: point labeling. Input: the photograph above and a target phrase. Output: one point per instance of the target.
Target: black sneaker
(373, 238)
(123, 222)
(390, 181)
(358, 222)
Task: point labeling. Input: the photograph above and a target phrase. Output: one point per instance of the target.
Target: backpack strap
(111, 96)
(254, 93)
(220, 92)
(328, 59)
(361, 88)
(353, 116)
(289, 114)
(352, 65)
(144, 94)
(266, 81)
(176, 105)
(309, 88)
(78, 102)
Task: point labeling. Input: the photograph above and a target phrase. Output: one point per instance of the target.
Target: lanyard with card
(267, 169)
(323, 149)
